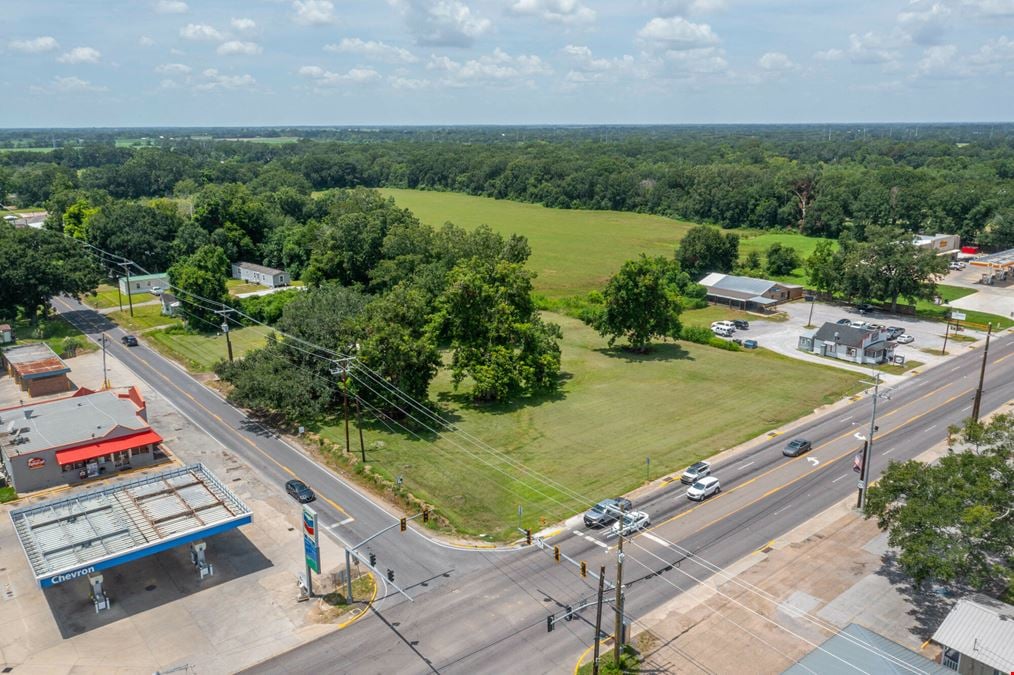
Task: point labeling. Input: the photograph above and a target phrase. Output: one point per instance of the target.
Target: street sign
(860, 485)
(311, 539)
(960, 316)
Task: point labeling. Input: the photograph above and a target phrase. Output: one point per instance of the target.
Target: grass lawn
(145, 317)
(237, 286)
(201, 352)
(573, 251)
(760, 241)
(926, 308)
(53, 331)
(712, 313)
(108, 296)
(678, 404)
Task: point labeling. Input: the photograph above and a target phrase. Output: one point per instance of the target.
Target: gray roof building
(846, 335)
(981, 629)
(747, 291)
(857, 649)
(254, 267)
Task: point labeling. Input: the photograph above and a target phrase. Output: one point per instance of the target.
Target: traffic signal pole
(598, 619)
(982, 376)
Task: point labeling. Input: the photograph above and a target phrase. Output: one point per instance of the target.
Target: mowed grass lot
(759, 241)
(573, 251)
(676, 405)
(201, 352)
(145, 317)
(108, 296)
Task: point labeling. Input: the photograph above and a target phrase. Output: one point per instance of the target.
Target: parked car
(859, 324)
(695, 472)
(740, 324)
(865, 308)
(156, 290)
(722, 331)
(632, 522)
(796, 447)
(844, 322)
(957, 266)
(905, 339)
(300, 491)
(704, 488)
(129, 340)
(893, 332)
(750, 344)
(723, 324)
(607, 511)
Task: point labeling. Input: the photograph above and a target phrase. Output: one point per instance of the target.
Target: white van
(723, 331)
(728, 325)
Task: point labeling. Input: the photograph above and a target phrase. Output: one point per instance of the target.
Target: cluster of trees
(766, 177)
(953, 521)
(887, 266)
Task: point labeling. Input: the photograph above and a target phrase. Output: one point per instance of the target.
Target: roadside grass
(712, 313)
(894, 369)
(573, 251)
(145, 318)
(108, 296)
(201, 351)
(7, 494)
(335, 604)
(677, 404)
(630, 662)
(52, 330)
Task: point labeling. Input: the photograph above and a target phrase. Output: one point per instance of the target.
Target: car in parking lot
(723, 331)
(740, 324)
(704, 488)
(860, 324)
(129, 340)
(632, 522)
(723, 324)
(796, 447)
(844, 322)
(864, 308)
(905, 339)
(607, 511)
(695, 472)
(894, 332)
(300, 491)
(957, 265)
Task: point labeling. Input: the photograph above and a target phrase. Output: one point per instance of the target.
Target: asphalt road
(477, 611)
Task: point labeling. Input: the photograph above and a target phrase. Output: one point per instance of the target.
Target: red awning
(85, 452)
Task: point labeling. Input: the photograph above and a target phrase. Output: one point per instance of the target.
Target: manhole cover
(150, 587)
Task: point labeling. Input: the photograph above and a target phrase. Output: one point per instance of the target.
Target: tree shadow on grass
(659, 352)
(463, 399)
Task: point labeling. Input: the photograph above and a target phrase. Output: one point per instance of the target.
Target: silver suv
(695, 473)
(606, 511)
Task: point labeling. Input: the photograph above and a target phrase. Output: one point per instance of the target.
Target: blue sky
(336, 62)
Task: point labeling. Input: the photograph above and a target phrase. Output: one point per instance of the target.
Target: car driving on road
(300, 491)
(129, 340)
(695, 472)
(632, 522)
(607, 511)
(704, 488)
(796, 447)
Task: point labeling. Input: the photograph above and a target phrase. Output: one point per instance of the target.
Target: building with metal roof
(37, 369)
(144, 283)
(748, 293)
(259, 274)
(857, 649)
(858, 345)
(977, 636)
(81, 534)
(75, 438)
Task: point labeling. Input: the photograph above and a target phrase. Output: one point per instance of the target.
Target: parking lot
(162, 616)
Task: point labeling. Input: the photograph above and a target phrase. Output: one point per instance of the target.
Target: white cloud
(243, 24)
(829, 55)
(201, 31)
(676, 33)
(558, 11)
(313, 12)
(372, 50)
(776, 62)
(690, 63)
(924, 21)
(442, 23)
(216, 80)
(870, 48)
(685, 7)
(236, 47)
(67, 85)
(496, 68)
(173, 69)
(326, 78)
(586, 68)
(994, 56)
(938, 60)
(35, 45)
(990, 8)
(145, 41)
(171, 7)
(408, 83)
(80, 55)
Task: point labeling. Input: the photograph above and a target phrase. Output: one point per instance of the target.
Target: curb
(362, 612)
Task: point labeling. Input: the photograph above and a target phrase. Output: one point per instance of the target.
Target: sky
(88, 63)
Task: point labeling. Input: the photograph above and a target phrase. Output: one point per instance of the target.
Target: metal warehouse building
(79, 535)
(37, 369)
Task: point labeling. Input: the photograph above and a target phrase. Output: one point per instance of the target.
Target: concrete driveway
(783, 336)
(996, 299)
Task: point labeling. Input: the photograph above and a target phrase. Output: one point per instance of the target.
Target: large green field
(201, 352)
(573, 251)
(676, 405)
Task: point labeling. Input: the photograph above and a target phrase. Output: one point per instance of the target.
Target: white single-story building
(259, 274)
(977, 636)
(858, 345)
(943, 244)
(748, 293)
(144, 283)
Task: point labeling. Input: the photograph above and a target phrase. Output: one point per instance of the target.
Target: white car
(632, 522)
(905, 339)
(728, 325)
(957, 265)
(704, 488)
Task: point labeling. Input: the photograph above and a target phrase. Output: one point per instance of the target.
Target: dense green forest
(820, 180)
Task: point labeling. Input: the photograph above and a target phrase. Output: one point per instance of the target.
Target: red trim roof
(85, 452)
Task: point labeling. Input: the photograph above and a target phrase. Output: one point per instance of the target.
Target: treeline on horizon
(821, 180)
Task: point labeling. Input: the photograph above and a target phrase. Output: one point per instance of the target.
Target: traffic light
(584, 568)
(426, 515)
(390, 576)
(556, 553)
(373, 559)
(404, 524)
(549, 623)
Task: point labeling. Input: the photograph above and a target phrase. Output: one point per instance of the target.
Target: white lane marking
(887, 452)
(839, 478)
(967, 407)
(953, 369)
(781, 509)
(931, 427)
(655, 539)
(846, 419)
(746, 465)
(596, 541)
(346, 521)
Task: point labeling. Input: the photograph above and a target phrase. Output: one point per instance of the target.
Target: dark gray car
(796, 447)
(606, 511)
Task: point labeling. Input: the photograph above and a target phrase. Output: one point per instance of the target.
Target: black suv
(129, 340)
(740, 324)
(607, 511)
(796, 447)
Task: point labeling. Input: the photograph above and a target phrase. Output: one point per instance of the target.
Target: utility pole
(946, 333)
(105, 376)
(864, 476)
(224, 313)
(359, 425)
(618, 625)
(598, 619)
(130, 297)
(982, 376)
(341, 367)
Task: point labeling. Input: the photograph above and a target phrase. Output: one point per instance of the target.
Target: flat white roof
(86, 532)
